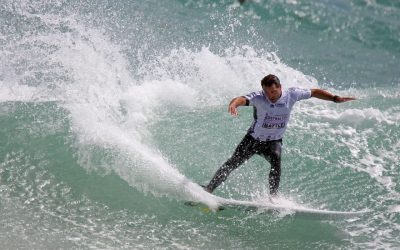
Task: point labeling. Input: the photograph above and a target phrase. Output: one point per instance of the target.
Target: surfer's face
(273, 92)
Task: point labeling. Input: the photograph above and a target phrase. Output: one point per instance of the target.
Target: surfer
(272, 107)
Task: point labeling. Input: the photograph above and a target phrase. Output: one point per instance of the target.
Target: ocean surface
(111, 111)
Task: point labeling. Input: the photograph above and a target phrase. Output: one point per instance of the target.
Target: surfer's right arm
(236, 102)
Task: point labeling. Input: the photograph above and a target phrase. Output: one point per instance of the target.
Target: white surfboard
(282, 206)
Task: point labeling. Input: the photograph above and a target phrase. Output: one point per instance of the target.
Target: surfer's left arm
(325, 95)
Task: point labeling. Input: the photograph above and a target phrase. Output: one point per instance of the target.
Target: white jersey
(271, 119)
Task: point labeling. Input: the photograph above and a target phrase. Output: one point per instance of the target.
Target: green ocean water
(111, 111)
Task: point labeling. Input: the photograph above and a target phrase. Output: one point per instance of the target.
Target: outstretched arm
(236, 102)
(325, 95)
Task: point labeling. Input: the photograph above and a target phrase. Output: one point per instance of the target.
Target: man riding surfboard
(272, 107)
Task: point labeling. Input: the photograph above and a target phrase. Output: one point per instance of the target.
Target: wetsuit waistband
(257, 139)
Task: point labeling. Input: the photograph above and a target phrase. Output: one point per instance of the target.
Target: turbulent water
(111, 111)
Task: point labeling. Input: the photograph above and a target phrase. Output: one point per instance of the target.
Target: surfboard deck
(276, 207)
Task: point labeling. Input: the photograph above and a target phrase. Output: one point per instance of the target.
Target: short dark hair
(269, 80)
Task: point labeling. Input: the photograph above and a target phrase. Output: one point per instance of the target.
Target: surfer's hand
(325, 95)
(235, 103)
(339, 99)
(233, 109)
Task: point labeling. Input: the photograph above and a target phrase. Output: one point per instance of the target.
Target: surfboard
(285, 208)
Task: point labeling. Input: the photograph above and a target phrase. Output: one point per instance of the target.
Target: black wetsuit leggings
(271, 150)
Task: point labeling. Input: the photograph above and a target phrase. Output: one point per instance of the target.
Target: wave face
(111, 112)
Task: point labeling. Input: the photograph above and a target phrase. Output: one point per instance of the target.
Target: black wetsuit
(270, 150)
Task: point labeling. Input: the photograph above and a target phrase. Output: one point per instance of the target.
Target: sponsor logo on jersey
(280, 105)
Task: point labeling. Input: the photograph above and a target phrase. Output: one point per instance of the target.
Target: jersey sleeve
(300, 94)
(251, 98)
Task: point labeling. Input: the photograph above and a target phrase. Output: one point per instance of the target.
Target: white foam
(12, 91)
(216, 78)
(394, 209)
(365, 117)
(109, 110)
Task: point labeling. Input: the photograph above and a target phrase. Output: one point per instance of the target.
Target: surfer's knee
(275, 160)
(275, 153)
(277, 150)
